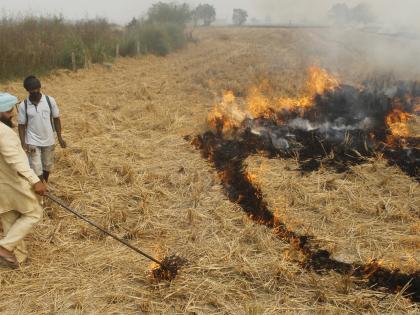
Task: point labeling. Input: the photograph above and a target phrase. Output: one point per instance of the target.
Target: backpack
(51, 114)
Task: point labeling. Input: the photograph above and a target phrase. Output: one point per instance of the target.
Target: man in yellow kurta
(20, 209)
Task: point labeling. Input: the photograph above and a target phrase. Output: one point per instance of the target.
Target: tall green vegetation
(40, 44)
(172, 13)
(160, 32)
(204, 14)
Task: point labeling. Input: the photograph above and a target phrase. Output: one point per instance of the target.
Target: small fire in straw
(168, 270)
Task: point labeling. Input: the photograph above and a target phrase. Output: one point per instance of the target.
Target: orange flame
(259, 104)
(260, 101)
(319, 81)
(397, 122)
(229, 97)
(226, 112)
(157, 252)
(252, 178)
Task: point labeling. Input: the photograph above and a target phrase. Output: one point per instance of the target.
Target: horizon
(278, 11)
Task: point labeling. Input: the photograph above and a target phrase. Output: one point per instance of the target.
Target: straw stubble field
(129, 168)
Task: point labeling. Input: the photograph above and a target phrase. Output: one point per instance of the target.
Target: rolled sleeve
(15, 157)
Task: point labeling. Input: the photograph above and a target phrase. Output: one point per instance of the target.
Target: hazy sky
(121, 11)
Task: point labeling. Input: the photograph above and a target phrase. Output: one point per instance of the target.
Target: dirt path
(129, 168)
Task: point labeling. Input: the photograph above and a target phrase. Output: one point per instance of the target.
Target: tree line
(342, 14)
(201, 15)
(40, 44)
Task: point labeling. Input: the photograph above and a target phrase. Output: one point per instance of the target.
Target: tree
(340, 13)
(169, 13)
(132, 24)
(362, 14)
(239, 16)
(205, 13)
(255, 21)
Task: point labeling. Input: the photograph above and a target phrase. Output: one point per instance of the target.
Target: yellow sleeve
(13, 154)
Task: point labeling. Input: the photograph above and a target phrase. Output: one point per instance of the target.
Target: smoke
(389, 44)
(403, 13)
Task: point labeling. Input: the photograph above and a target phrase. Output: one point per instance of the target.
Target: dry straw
(129, 168)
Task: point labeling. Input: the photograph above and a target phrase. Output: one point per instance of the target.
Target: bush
(205, 13)
(176, 36)
(38, 44)
(154, 38)
(99, 38)
(33, 44)
(171, 13)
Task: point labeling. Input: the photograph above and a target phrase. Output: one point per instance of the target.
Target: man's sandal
(8, 262)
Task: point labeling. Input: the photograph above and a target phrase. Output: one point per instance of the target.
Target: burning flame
(260, 103)
(157, 252)
(397, 122)
(252, 178)
(226, 114)
(320, 81)
(229, 97)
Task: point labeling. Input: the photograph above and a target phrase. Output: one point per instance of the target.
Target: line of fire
(332, 125)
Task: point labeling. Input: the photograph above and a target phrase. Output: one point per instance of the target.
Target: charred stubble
(228, 156)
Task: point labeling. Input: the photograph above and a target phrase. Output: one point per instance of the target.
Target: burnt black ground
(343, 127)
(228, 156)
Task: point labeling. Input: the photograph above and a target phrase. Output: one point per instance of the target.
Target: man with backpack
(38, 118)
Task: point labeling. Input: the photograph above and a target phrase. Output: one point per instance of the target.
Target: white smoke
(337, 125)
(388, 13)
(388, 44)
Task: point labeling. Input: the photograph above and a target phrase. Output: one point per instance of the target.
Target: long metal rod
(62, 204)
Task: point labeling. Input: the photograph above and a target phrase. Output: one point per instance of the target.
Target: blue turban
(7, 102)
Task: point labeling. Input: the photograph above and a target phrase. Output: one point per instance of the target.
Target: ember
(169, 268)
